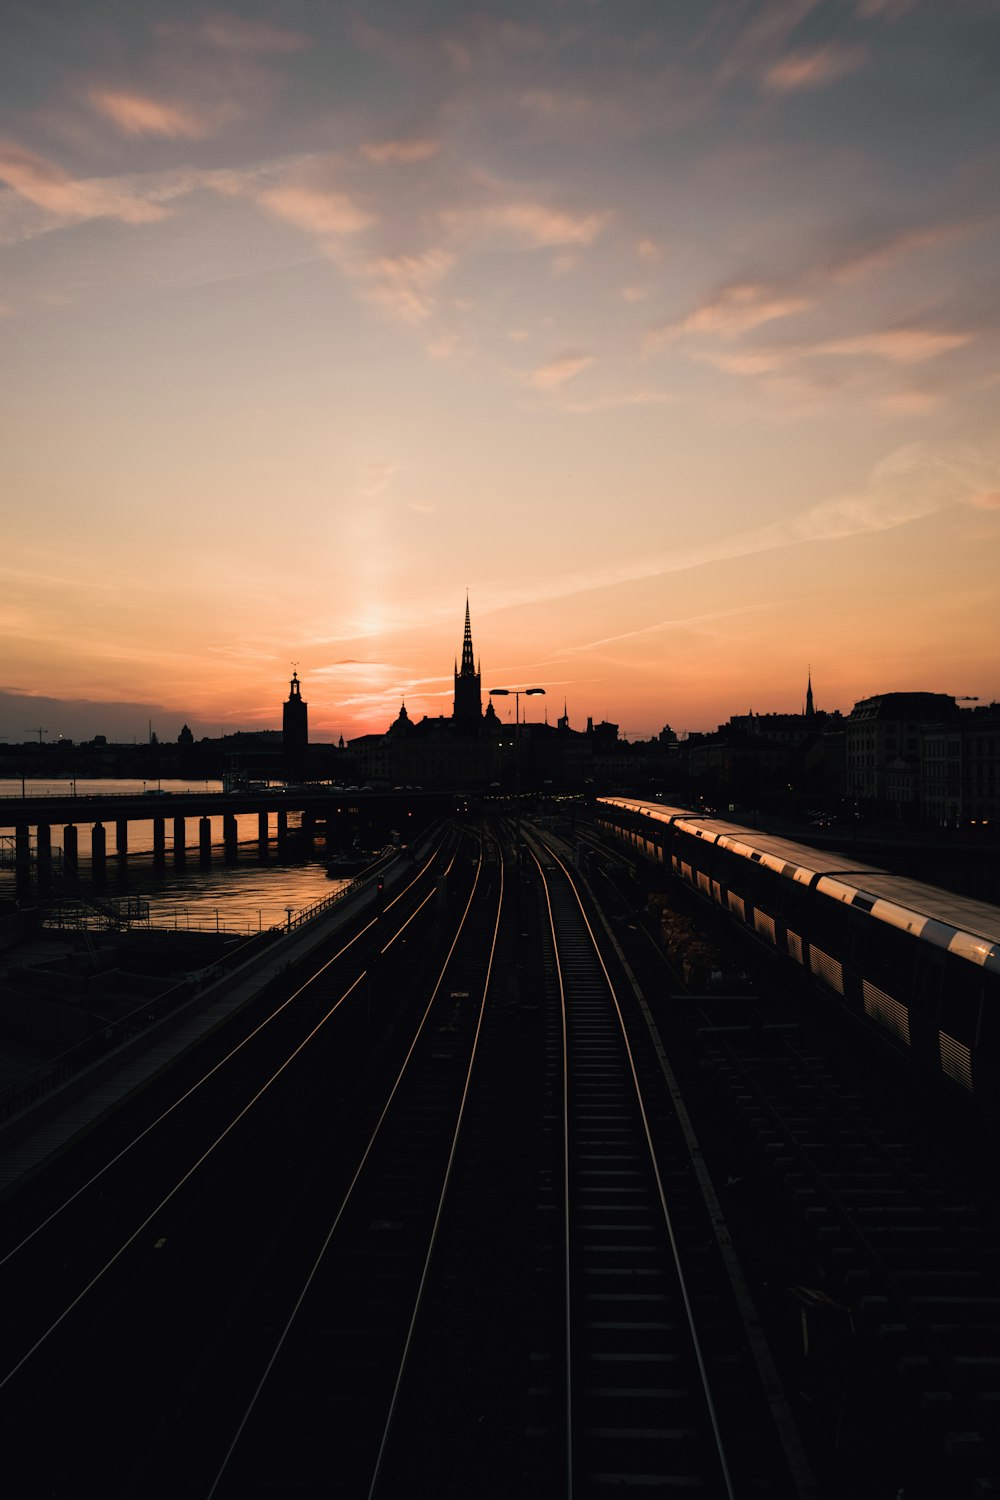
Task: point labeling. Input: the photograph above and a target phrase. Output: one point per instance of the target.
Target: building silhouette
(295, 729)
(467, 710)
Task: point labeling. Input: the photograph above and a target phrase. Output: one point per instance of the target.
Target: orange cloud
(536, 224)
(810, 70)
(900, 346)
(735, 310)
(556, 372)
(322, 211)
(401, 284)
(48, 186)
(881, 254)
(381, 152)
(135, 114)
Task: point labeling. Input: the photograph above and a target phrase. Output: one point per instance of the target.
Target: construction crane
(39, 731)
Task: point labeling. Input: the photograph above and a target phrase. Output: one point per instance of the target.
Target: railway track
(659, 1389)
(867, 1215)
(318, 1419)
(437, 1221)
(129, 1263)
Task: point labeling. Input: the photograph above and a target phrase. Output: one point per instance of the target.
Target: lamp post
(518, 693)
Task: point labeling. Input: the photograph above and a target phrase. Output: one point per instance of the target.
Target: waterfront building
(295, 729)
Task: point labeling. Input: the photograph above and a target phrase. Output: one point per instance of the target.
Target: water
(242, 895)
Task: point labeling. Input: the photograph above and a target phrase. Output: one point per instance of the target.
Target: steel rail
(348, 1194)
(233, 1052)
(186, 1177)
(432, 1242)
(667, 1217)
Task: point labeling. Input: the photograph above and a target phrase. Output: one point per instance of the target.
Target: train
(918, 966)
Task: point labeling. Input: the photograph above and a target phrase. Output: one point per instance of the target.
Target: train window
(956, 1060)
(886, 1012)
(764, 925)
(889, 958)
(827, 968)
(961, 1001)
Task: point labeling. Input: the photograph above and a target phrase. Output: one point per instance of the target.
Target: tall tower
(468, 708)
(295, 727)
(810, 710)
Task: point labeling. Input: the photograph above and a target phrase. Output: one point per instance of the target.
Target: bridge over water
(317, 808)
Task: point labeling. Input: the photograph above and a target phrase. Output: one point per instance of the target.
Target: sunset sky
(667, 329)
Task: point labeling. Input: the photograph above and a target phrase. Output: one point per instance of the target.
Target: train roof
(961, 912)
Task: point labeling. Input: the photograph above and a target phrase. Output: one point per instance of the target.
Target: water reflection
(246, 892)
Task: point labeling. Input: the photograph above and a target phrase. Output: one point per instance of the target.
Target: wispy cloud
(46, 185)
(420, 148)
(900, 346)
(230, 33)
(140, 115)
(755, 39)
(735, 310)
(555, 372)
(872, 10)
(403, 285)
(374, 478)
(814, 69)
(910, 403)
(910, 483)
(327, 212)
(614, 402)
(882, 252)
(680, 622)
(534, 224)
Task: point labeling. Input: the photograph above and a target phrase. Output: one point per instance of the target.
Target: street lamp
(518, 693)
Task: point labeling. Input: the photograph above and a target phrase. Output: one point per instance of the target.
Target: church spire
(468, 660)
(810, 710)
(468, 708)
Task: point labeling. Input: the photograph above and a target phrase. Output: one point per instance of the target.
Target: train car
(917, 964)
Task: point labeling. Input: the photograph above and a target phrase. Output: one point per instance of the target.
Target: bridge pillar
(262, 828)
(282, 825)
(121, 837)
(99, 849)
(22, 846)
(230, 834)
(44, 852)
(22, 857)
(205, 839)
(159, 840)
(179, 849)
(308, 824)
(70, 848)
